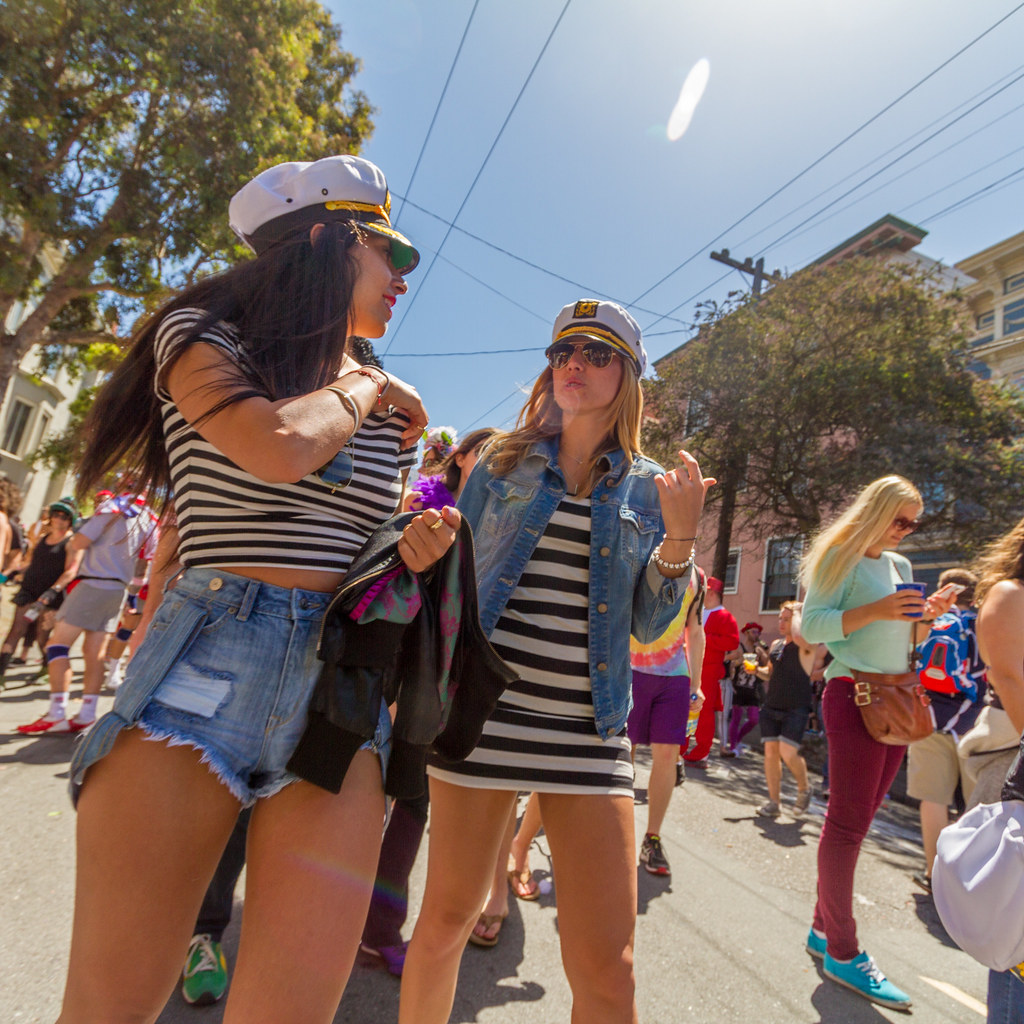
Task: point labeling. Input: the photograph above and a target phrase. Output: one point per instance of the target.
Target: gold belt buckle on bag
(861, 693)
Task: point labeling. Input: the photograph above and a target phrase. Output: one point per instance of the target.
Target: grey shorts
(93, 607)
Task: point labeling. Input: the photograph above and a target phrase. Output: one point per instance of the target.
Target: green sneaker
(204, 978)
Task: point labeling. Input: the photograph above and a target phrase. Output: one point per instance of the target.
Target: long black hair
(290, 307)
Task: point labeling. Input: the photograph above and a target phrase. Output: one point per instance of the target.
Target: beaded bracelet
(382, 389)
(349, 402)
(673, 566)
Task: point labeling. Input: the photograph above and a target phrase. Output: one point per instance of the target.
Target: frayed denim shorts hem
(228, 668)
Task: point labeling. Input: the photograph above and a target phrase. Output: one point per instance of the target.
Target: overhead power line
(1003, 181)
(931, 74)
(440, 101)
(891, 163)
(583, 289)
(477, 352)
(508, 117)
(892, 149)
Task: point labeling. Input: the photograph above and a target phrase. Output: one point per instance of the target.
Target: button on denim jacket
(509, 514)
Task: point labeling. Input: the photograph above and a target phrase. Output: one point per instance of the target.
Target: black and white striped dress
(541, 736)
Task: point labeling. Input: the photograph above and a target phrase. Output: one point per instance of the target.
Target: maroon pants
(861, 771)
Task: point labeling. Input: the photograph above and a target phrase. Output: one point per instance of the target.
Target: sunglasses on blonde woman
(910, 525)
(597, 353)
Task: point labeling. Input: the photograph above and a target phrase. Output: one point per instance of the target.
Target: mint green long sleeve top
(882, 646)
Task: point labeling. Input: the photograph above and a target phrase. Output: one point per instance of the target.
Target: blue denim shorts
(227, 667)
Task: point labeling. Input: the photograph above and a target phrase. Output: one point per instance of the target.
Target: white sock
(58, 706)
(87, 712)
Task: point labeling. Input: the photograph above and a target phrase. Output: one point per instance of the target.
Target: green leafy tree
(838, 375)
(124, 130)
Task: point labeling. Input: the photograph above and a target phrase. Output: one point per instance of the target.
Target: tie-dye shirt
(666, 656)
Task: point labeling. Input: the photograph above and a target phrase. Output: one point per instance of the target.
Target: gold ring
(437, 525)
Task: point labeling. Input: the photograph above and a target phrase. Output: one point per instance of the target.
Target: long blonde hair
(1003, 559)
(540, 418)
(861, 526)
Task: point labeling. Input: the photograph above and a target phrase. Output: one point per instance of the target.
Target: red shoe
(75, 725)
(43, 724)
(58, 727)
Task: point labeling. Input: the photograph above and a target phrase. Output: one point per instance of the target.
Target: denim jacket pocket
(639, 529)
(507, 502)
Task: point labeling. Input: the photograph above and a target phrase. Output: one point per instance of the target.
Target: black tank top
(46, 565)
(789, 686)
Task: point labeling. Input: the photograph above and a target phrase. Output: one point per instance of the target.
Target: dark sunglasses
(337, 474)
(597, 353)
(910, 525)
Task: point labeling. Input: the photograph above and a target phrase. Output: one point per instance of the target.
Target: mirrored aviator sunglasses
(337, 474)
(596, 353)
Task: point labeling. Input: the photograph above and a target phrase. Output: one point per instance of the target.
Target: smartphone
(954, 588)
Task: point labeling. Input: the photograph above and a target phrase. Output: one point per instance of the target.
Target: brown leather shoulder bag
(894, 706)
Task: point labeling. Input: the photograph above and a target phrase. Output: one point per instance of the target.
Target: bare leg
(594, 855)
(467, 828)
(18, 628)
(796, 764)
(660, 785)
(93, 647)
(497, 898)
(311, 860)
(524, 837)
(773, 769)
(59, 670)
(934, 818)
(152, 822)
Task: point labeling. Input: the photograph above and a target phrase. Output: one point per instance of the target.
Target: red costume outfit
(721, 635)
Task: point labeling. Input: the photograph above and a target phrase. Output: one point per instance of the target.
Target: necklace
(579, 462)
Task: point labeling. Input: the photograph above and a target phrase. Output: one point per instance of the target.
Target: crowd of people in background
(286, 461)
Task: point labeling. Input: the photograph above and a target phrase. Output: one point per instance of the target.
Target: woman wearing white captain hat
(283, 454)
(580, 541)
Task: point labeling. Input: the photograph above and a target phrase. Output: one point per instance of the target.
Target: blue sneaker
(863, 976)
(815, 945)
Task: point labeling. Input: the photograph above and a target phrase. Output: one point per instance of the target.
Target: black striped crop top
(228, 517)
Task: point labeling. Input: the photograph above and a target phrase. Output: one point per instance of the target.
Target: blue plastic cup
(919, 588)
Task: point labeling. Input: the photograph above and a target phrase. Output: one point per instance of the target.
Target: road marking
(954, 993)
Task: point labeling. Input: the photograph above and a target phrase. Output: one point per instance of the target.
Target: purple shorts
(661, 705)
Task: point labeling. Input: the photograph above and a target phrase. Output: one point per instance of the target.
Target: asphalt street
(720, 941)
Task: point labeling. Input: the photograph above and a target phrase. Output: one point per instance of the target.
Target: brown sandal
(523, 884)
(488, 921)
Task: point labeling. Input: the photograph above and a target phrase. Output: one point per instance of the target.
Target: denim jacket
(509, 514)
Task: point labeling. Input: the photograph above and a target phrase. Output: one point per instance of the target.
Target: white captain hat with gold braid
(603, 321)
(292, 196)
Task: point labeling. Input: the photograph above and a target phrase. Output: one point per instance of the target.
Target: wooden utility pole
(733, 475)
(748, 266)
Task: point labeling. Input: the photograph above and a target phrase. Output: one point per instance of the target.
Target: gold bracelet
(680, 540)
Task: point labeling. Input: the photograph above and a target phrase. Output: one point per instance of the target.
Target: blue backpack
(948, 659)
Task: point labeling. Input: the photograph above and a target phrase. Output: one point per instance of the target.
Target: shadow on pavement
(924, 907)
(837, 1005)
(44, 750)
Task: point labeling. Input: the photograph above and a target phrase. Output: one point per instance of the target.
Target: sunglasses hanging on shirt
(337, 474)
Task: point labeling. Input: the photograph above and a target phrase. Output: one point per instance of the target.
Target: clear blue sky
(584, 183)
